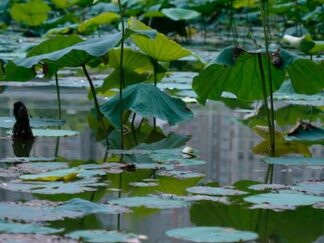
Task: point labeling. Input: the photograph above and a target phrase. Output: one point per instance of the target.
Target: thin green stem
(155, 67)
(121, 74)
(58, 97)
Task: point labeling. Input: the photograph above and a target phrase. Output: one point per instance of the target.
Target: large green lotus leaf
(306, 76)
(92, 24)
(288, 94)
(15, 228)
(180, 13)
(13, 72)
(161, 48)
(64, 3)
(98, 236)
(284, 198)
(211, 234)
(75, 55)
(8, 122)
(32, 13)
(148, 101)
(237, 71)
(215, 191)
(55, 175)
(149, 202)
(299, 161)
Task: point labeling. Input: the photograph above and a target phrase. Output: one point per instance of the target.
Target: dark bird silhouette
(21, 129)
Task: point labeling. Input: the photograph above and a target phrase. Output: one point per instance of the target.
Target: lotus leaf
(32, 238)
(148, 101)
(305, 44)
(149, 202)
(237, 71)
(211, 234)
(26, 228)
(26, 159)
(299, 161)
(8, 122)
(161, 48)
(56, 175)
(54, 133)
(32, 13)
(214, 191)
(305, 132)
(286, 198)
(104, 236)
(180, 13)
(64, 3)
(316, 188)
(92, 24)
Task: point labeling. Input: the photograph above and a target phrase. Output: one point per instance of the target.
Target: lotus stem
(155, 67)
(133, 128)
(121, 74)
(58, 96)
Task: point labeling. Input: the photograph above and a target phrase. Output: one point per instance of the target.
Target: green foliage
(180, 13)
(90, 25)
(148, 101)
(32, 13)
(64, 3)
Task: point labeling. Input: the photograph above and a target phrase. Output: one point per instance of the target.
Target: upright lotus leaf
(180, 13)
(306, 76)
(32, 13)
(237, 71)
(148, 101)
(92, 24)
(305, 44)
(161, 48)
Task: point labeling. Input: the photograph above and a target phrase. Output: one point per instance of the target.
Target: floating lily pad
(262, 187)
(211, 234)
(37, 211)
(144, 184)
(299, 161)
(26, 159)
(54, 133)
(8, 122)
(310, 187)
(288, 198)
(56, 175)
(6, 227)
(276, 208)
(32, 238)
(149, 202)
(214, 191)
(98, 236)
(180, 174)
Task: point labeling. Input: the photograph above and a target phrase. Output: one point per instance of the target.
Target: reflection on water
(216, 134)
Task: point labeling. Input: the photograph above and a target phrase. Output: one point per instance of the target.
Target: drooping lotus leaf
(310, 187)
(237, 71)
(32, 238)
(307, 133)
(148, 101)
(14, 72)
(306, 76)
(211, 234)
(8, 122)
(305, 44)
(32, 13)
(214, 191)
(104, 236)
(299, 161)
(55, 175)
(161, 48)
(149, 202)
(6, 227)
(288, 198)
(38, 211)
(180, 13)
(92, 24)
(288, 94)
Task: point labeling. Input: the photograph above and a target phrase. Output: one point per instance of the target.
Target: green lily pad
(180, 13)
(32, 238)
(6, 227)
(26, 159)
(214, 191)
(143, 184)
(288, 198)
(56, 175)
(149, 202)
(310, 187)
(180, 174)
(161, 48)
(54, 133)
(8, 122)
(299, 161)
(98, 236)
(148, 101)
(211, 234)
(263, 187)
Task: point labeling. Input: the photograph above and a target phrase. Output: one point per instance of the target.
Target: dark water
(219, 139)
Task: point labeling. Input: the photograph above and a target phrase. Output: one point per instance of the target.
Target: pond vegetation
(161, 121)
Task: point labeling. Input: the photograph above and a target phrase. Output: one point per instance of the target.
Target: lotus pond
(210, 132)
